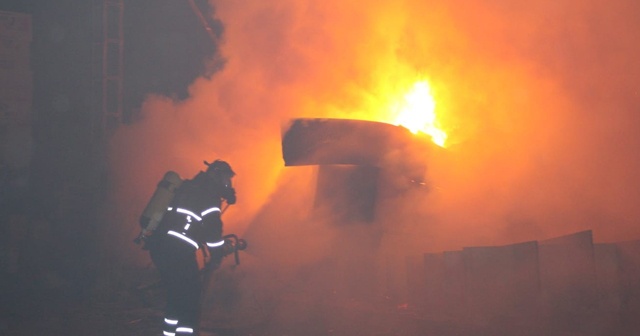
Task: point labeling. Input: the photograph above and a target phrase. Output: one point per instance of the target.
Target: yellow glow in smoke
(417, 113)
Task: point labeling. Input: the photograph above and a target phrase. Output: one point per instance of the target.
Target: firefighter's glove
(230, 196)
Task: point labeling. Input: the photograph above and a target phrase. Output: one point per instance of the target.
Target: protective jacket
(194, 215)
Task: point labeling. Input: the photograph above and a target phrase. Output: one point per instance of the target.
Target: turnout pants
(178, 268)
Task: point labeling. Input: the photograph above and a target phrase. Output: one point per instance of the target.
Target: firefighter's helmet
(219, 166)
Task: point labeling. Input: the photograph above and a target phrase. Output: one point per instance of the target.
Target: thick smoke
(539, 100)
(546, 108)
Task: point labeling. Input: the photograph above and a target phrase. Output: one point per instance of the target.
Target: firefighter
(191, 224)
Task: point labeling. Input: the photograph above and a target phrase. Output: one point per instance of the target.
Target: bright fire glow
(417, 113)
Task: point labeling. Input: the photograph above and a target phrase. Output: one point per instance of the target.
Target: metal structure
(108, 64)
(328, 141)
(205, 24)
(354, 158)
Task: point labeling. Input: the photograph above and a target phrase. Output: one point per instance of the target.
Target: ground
(132, 305)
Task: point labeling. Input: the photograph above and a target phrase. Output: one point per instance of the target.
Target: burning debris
(355, 142)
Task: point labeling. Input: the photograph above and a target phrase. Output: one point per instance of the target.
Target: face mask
(226, 181)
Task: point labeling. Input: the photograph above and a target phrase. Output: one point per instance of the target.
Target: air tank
(159, 202)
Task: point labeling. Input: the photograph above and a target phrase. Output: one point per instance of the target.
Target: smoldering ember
(380, 168)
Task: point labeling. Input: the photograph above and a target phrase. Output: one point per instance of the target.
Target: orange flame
(416, 112)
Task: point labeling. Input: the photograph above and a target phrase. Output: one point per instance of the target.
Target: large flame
(416, 112)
